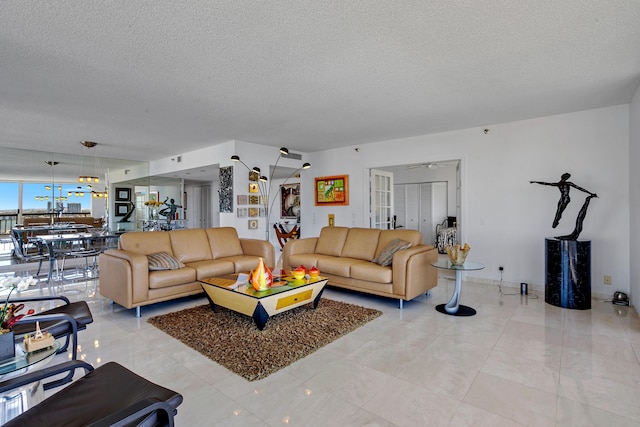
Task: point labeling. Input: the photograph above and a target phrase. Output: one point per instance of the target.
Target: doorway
(423, 195)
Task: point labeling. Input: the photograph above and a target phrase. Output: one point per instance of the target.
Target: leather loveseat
(346, 256)
(126, 278)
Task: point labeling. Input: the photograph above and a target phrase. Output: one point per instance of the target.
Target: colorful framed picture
(253, 187)
(332, 190)
(154, 196)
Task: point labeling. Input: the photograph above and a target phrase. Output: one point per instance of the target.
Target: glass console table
(453, 307)
(18, 400)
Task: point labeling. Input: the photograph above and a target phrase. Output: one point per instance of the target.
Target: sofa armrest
(298, 246)
(260, 248)
(413, 273)
(119, 271)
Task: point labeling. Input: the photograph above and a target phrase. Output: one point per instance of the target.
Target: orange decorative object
(261, 278)
(314, 272)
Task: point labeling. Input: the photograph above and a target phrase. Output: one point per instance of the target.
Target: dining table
(62, 245)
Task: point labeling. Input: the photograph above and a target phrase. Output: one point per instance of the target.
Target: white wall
(505, 219)
(634, 199)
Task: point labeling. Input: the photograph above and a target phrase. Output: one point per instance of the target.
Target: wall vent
(294, 156)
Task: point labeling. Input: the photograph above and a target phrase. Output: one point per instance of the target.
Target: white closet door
(413, 206)
(426, 221)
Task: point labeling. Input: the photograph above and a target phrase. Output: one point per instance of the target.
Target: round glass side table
(453, 307)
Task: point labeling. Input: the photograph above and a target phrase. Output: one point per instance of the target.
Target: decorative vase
(7, 346)
(261, 279)
(457, 254)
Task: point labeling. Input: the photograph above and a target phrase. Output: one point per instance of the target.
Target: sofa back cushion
(361, 243)
(224, 242)
(386, 236)
(146, 242)
(190, 245)
(331, 240)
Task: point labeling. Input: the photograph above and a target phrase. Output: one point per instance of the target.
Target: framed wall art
(123, 194)
(332, 190)
(121, 209)
(289, 200)
(225, 192)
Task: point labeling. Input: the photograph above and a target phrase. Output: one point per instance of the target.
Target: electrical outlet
(607, 280)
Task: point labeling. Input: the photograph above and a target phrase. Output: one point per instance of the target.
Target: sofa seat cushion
(371, 272)
(337, 265)
(308, 260)
(243, 263)
(166, 278)
(211, 268)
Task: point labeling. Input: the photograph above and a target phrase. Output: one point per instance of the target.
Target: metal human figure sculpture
(564, 185)
(170, 210)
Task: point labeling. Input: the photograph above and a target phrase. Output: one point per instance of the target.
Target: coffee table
(240, 297)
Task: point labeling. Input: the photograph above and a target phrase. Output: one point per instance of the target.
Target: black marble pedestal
(568, 273)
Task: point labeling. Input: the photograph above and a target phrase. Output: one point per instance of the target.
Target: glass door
(381, 194)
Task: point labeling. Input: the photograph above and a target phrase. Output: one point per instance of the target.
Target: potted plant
(8, 314)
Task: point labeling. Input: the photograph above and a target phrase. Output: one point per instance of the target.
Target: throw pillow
(163, 261)
(386, 256)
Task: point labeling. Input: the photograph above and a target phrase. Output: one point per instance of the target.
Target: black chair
(109, 395)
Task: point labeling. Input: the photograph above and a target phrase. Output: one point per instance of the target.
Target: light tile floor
(518, 362)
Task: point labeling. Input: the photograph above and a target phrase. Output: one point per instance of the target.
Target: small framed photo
(121, 209)
(253, 224)
(253, 187)
(123, 194)
(243, 199)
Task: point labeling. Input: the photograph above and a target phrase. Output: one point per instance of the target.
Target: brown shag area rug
(234, 341)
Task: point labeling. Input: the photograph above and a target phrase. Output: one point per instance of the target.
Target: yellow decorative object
(457, 254)
(261, 277)
(299, 273)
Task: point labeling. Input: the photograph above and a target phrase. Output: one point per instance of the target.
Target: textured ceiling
(150, 79)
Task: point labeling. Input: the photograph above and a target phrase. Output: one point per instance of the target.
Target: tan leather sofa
(345, 256)
(124, 272)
